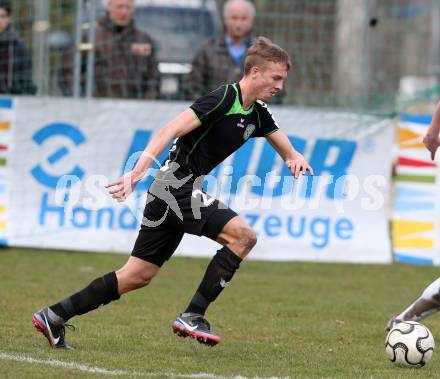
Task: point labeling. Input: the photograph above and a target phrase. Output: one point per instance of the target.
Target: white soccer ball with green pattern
(409, 344)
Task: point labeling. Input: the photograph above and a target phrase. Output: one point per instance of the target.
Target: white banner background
(93, 138)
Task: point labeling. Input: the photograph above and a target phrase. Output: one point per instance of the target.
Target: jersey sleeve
(210, 107)
(268, 124)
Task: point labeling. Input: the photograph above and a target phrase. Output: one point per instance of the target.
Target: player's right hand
(121, 188)
(432, 143)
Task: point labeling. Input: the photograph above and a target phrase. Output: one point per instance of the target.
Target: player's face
(4, 20)
(120, 11)
(238, 20)
(269, 80)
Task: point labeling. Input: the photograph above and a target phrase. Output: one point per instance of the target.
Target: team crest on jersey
(248, 131)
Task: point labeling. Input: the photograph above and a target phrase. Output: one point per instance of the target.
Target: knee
(141, 280)
(248, 238)
(137, 281)
(128, 281)
(136, 273)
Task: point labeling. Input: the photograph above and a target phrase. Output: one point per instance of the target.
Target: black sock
(99, 292)
(220, 271)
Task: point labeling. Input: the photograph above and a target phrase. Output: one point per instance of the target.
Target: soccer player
(429, 301)
(211, 129)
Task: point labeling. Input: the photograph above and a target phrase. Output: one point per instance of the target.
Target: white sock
(427, 304)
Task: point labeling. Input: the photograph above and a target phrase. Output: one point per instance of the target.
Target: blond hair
(263, 50)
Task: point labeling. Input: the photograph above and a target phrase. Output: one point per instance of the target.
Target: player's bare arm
(121, 188)
(431, 139)
(293, 159)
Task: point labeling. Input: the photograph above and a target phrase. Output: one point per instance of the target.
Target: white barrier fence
(340, 215)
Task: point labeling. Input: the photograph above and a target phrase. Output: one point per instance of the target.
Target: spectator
(125, 64)
(220, 60)
(15, 62)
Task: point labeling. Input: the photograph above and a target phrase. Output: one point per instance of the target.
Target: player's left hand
(121, 188)
(432, 143)
(299, 165)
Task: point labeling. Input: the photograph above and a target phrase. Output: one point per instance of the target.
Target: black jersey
(225, 126)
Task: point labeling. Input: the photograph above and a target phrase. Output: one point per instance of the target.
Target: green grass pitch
(284, 319)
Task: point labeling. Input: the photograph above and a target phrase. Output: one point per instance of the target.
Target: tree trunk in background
(352, 46)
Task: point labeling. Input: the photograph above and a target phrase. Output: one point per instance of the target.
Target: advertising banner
(415, 215)
(65, 151)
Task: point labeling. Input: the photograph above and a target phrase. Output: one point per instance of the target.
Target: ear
(255, 70)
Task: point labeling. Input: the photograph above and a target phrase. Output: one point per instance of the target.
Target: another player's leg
(237, 239)
(427, 304)
(51, 321)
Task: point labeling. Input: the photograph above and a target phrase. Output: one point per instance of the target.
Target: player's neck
(247, 95)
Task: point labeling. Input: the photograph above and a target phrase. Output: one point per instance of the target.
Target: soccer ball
(409, 344)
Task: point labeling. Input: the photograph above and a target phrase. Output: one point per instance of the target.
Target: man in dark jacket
(15, 62)
(125, 64)
(221, 59)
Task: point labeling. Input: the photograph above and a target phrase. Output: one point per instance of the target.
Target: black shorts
(175, 206)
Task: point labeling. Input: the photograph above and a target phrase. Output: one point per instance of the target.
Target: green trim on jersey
(210, 127)
(271, 132)
(220, 103)
(237, 108)
(195, 114)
